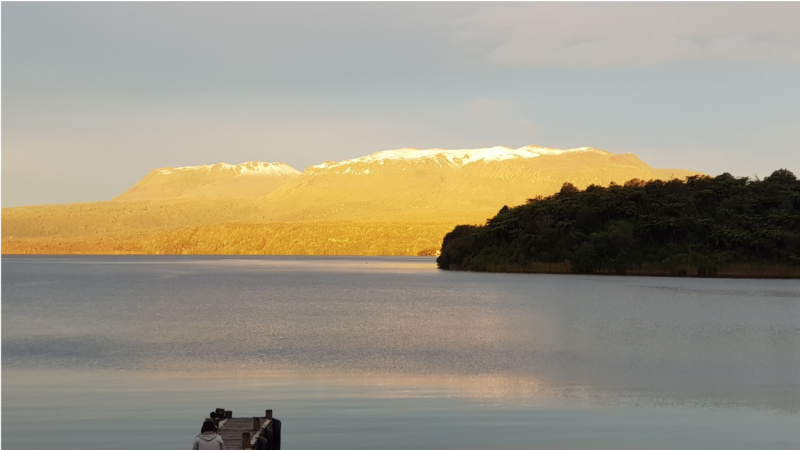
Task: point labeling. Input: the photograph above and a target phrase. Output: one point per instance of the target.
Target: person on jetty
(208, 439)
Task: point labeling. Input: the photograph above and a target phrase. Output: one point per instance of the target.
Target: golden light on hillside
(403, 205)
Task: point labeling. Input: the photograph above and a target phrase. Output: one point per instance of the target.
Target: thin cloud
(490, 108)
(631, 34)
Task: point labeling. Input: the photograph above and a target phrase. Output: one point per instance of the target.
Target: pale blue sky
(94, 95)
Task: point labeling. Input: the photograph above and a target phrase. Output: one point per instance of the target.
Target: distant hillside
(452, 185)
(278, 238)
(250, 208)
(252, 179)
(702, 226)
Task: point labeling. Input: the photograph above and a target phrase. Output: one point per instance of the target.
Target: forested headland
(701, 226)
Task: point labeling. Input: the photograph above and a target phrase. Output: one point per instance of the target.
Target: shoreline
(732, 271)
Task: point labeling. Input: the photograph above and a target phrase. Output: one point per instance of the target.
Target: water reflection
(90, 410)
(504, 338)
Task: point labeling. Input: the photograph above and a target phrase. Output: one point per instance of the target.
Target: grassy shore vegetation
(701, 226)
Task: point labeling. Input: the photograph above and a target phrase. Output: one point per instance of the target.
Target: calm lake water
(391, 353)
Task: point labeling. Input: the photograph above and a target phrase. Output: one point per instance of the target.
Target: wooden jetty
(243, 432)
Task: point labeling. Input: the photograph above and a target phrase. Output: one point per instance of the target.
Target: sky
(96, 94)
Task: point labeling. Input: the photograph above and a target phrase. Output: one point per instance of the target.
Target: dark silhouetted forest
(702, 226)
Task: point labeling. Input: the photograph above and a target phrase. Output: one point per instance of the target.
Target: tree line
(273, 238)
(700, 226)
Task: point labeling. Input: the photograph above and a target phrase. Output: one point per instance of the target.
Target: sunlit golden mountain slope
(251, 179)
(398, 202)
(456, 185)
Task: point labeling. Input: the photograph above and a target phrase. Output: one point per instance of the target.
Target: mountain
(394, 202)
(250, 179)
(467, 185)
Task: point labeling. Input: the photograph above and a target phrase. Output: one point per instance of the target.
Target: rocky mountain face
(412, 196)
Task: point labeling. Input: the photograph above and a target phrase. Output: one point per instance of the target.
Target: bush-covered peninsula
(701, 226)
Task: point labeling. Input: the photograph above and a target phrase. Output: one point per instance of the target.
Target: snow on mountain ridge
(457, 156)
(252, 168)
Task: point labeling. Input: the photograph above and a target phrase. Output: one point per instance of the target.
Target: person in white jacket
(208, 439)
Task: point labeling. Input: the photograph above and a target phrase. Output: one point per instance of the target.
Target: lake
(121, 352)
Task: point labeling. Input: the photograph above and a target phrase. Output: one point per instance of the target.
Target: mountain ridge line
(406, 187)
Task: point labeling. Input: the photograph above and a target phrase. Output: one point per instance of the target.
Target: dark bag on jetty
(275, 443)
(266, 441)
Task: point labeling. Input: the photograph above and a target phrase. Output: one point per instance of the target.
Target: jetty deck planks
(242, 432)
